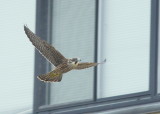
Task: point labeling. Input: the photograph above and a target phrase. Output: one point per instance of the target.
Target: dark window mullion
(49, 39)
(96, 57)
(41, 64)
(154, 47)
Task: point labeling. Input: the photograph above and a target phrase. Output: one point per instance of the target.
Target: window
(124, 40)
(73, 35)
(124, 32)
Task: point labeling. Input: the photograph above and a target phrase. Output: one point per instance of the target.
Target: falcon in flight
(62, 64)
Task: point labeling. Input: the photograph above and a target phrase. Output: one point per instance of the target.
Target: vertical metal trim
(41, 65)
(154, 47)
(96, 50)
(99, 41)
(49, 32)
(158, 66)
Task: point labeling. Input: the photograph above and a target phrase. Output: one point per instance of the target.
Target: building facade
(125, 32)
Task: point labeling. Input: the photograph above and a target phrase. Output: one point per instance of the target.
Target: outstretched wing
(87, 65)
(50, 77)
(54, 56)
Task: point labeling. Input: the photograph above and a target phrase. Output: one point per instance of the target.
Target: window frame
(43, 29)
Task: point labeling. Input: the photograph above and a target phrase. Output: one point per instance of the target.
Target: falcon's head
(74, 61)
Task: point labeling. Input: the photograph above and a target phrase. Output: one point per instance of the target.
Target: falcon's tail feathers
(50, 77)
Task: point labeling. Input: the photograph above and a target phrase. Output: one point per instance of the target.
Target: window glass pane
(73, 35)
(16, 56)
(124, 33)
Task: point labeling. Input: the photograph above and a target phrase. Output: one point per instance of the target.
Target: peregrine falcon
(62, 64)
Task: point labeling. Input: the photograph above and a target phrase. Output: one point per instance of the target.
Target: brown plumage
(61, 63)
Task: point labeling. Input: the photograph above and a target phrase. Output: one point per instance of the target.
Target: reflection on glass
(73, 35)
(125, 41)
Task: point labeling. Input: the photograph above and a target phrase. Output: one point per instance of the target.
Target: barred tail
(50, 77)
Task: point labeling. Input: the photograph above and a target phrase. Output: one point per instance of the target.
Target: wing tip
(103, 61)
(28, 32)
(25, 28)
